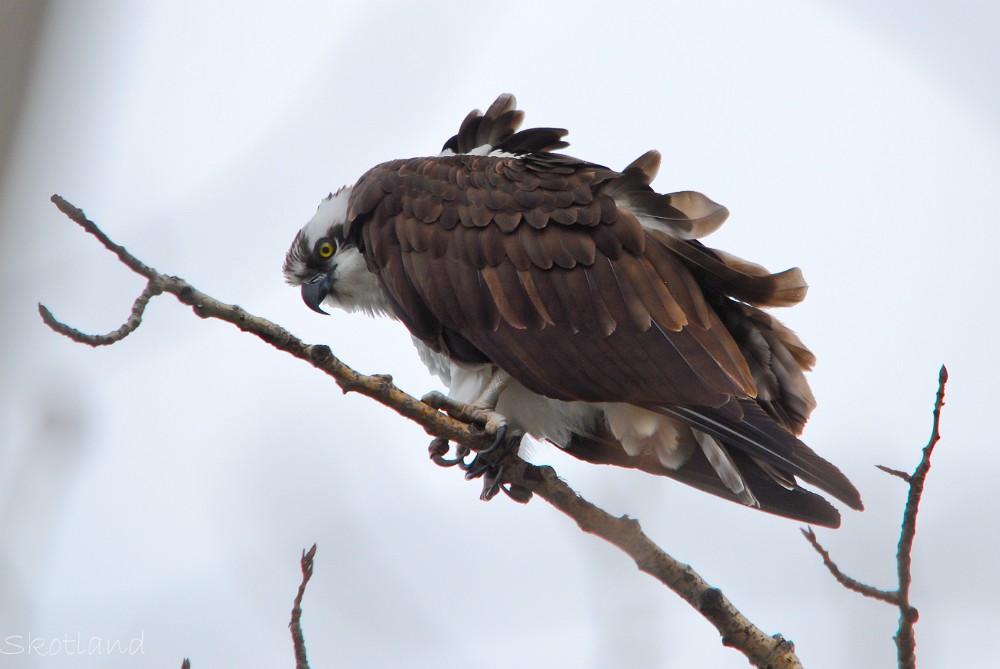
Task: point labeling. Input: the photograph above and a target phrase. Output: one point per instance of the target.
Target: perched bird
(577, 303)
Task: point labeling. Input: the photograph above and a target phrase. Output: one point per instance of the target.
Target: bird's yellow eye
(325, 250)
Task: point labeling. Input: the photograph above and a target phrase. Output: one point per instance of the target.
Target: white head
(329, 267)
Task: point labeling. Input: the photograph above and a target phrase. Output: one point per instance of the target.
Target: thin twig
(906, 657)
(888, 596)
(905, 642)
(298, 640)
(737, 631)
(153, 287)
(77, 215)
(894, 472)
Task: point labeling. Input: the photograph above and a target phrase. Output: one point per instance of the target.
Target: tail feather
(744, 456)
(796, 503)
(736, 277)
(726, 469)
(759, 436)
(777, 359)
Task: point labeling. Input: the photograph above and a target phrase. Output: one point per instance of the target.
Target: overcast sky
(164, 487)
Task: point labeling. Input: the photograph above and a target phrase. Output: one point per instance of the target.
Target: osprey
(577, 303)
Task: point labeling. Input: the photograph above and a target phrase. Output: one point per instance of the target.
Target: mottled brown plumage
(527, 291)
(586, 285)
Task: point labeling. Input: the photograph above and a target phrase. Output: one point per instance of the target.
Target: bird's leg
(482, 411)
(490, 395)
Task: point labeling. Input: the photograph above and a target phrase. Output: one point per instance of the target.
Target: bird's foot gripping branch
(491, 463)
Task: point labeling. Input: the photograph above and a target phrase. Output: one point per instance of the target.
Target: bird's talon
(492, 483)
(439, 448)
(518, 493)
(478, 467)
(442, 461)
(499, 441)
(490, 491)
(435, 399)
(490, 460)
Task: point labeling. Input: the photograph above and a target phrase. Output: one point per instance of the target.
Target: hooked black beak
(315, 290)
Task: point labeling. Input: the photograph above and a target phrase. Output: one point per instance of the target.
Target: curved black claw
(499, 442)
(480, 466)
(488, 461)
(517, 492)
(493, 483)
(439, 448)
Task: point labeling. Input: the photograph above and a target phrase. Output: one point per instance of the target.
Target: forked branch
(900, 597)
(298, 638)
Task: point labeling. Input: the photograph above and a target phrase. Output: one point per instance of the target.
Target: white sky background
(166, 485)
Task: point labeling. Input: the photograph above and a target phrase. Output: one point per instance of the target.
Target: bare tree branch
(894, 472)
(888, 596)
(378, 387)
(905, 642)
(153, 287)
(737, 631)
(900, 597)
(298, 639)
(625, 533)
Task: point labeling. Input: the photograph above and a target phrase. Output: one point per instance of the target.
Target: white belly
(638, 430)
(525, 411)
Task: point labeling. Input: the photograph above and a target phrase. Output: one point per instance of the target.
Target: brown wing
(530, 263)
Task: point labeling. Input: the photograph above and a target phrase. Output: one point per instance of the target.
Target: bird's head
(328, 266)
